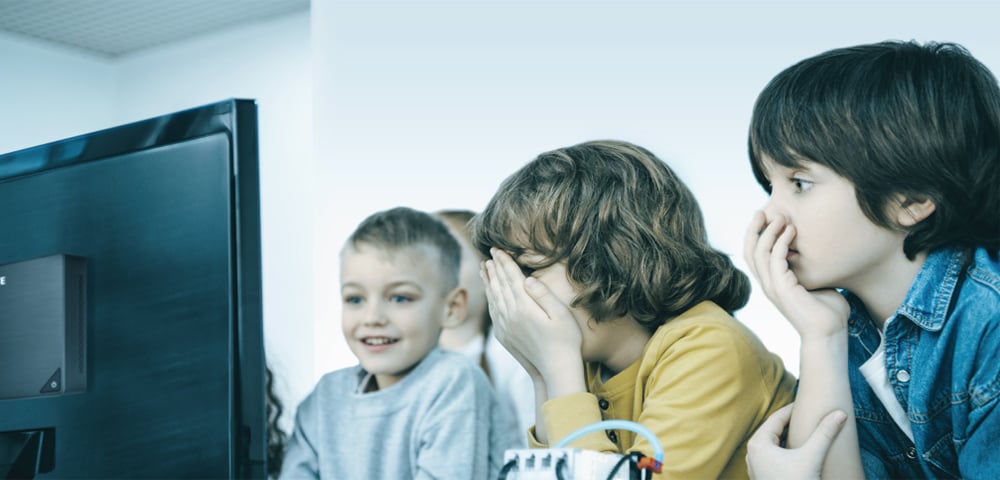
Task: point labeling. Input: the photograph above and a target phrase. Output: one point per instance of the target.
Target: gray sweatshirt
(441, 421)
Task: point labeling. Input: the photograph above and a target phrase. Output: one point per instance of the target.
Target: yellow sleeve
(568, 413)
(705, 395)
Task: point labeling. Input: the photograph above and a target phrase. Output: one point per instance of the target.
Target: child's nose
(376, 316)
(773, 208)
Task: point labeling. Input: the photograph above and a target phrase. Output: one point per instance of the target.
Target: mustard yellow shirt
(703, 385)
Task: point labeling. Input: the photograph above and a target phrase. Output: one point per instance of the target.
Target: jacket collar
(927, 302)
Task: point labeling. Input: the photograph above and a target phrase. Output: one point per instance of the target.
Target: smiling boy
(408, 410)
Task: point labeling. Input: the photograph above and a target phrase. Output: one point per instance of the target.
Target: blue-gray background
(370, 104)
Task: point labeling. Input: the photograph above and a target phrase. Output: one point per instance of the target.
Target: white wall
(48, 93)
(432, 104)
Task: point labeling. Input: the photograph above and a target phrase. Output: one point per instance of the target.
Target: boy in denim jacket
(879, 243)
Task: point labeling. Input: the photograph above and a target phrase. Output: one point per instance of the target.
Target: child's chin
(813, 284)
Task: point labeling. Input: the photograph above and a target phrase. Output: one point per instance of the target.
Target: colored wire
(560, 466)
(511, 465)
(631, 457)
(621, 425)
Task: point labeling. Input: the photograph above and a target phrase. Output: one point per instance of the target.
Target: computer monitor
(131, 337)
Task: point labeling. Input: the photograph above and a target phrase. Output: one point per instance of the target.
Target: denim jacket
(942, 357)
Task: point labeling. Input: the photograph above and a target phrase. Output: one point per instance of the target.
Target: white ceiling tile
(112, 28)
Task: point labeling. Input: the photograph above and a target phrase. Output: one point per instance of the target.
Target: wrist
(564, 381)
(822, 352)
(827, 337)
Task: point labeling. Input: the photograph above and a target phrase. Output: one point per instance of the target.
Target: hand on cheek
(766, 247)
(765, 251)
(503, 325)
(528, 320)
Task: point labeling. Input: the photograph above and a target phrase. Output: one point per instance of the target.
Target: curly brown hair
(630, 231)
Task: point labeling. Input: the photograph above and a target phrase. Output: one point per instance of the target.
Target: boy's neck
(882, 294)
(458, 337)
(626, 344)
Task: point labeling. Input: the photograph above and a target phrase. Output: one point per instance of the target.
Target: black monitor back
(162, 218)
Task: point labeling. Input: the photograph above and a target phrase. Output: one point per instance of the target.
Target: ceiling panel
(112, 28)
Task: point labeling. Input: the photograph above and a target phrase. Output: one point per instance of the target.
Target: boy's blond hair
(403, 227)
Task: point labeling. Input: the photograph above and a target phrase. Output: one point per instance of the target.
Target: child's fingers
(498, 258)
(484, 274)
(508, 270)
(545, 299)
(778, 261)
(507, 288)
(509, 278)
(499, 292)
(488, 272)
(751, 237)
(826, 432)
(770, 431)
(762, 252)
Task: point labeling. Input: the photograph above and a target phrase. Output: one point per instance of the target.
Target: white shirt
(877, 377)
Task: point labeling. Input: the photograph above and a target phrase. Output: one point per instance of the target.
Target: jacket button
(612, 436)
(903, 376)
(603, 403)
(911, 453)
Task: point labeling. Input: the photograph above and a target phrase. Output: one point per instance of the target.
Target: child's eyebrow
(391, 285)
(404, 283)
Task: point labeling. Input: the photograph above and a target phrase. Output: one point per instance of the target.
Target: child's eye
(801, 185)
(399, 298)
(352, 300)
(526, 271)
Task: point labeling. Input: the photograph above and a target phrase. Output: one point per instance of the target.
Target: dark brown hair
(901, 121)
(276, 437)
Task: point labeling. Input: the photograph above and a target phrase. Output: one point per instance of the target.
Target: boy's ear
(914, 210)
(457, 308)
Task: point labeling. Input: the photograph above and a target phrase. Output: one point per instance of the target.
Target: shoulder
(707, 338)
(335, 384)
(330, 390)
(338, 382)
(447, 384)
(975, 317)
(985, 271)
(704, 325)
(444, 371)
(705, 355)
(446, 365)
(976, 304)
(950, 282)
